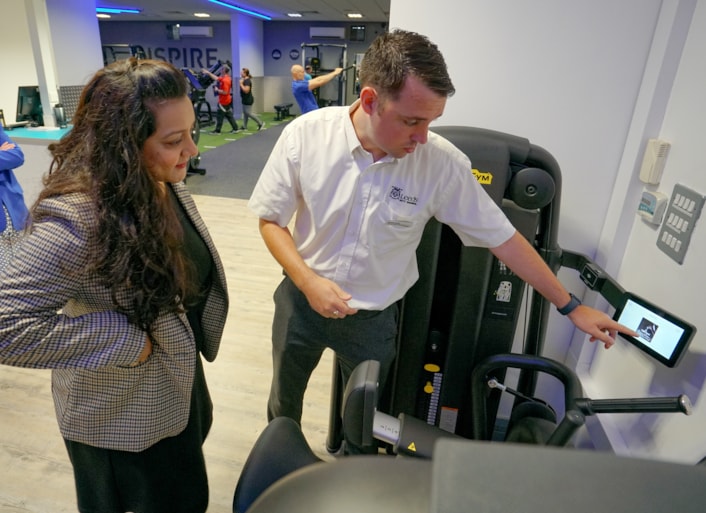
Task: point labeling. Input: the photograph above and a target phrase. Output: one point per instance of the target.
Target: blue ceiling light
(241, 9)
(117, 10)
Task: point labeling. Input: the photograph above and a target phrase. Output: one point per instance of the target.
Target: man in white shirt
(363, 181)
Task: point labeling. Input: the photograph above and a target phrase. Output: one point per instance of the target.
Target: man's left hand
(598, 325)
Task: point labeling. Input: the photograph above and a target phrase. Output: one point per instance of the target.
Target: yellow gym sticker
(412, 447)
(483, 178)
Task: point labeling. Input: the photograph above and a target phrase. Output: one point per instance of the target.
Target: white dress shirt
(359, 222)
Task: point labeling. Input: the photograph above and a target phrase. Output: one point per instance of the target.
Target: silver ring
(335, 313)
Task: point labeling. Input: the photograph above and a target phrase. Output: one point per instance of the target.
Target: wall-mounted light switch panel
(682, 212)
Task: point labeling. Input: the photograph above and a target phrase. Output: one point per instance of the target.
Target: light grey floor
(35, 474)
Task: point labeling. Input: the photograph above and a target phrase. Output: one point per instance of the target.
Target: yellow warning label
(412, 447)
(483, 178)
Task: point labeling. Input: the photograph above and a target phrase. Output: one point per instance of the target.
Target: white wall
(590, 82)
(649, 272)
(48, 43)
(76, 40)
(562, 74)
(18, 63)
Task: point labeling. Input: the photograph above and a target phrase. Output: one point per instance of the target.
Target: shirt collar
(352, 137)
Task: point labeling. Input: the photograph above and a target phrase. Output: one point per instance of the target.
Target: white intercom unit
(654, 160)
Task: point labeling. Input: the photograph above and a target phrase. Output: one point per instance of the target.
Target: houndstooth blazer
(53, 314)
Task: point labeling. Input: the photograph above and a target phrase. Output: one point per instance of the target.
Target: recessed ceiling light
(354, 15)
(102, 15)
(294, 15)
(202, 15)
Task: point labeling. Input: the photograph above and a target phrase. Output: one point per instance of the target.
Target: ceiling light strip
(241, 9)
(116, 10)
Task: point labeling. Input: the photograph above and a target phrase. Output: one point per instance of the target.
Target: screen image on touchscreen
(660, 334)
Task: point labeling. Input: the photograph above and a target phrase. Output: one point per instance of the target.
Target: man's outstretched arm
(324, 79)
(524, 261)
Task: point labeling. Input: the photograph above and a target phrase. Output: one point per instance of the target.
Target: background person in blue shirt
(302, 88)
(14, 211)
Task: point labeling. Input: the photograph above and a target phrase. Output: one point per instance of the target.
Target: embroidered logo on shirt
(483, 178)
(397, 194)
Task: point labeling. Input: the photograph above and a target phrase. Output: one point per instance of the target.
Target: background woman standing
(247, 99)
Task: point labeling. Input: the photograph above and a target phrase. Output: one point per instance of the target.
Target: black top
(247, 98)
(201, 264)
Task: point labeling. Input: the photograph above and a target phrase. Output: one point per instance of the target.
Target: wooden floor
(35, 473)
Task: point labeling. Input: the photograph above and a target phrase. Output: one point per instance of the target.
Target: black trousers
(225, 111)
(300, 335)
(168, 477)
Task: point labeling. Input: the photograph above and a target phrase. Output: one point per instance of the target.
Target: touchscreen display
(660, 334)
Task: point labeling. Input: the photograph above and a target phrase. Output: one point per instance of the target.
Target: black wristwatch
(570, 306)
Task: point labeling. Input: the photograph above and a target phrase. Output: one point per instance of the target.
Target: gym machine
(117, 51)
(465, 305)
(456, 331)
(324, 58)
(200, 82)
(281, 471)
(469, 476)
(195, 161)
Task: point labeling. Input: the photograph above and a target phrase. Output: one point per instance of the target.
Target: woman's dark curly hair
(138, 237)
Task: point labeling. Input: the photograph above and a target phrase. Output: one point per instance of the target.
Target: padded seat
(280, 449)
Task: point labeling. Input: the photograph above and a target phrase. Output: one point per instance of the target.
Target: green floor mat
(208, 141)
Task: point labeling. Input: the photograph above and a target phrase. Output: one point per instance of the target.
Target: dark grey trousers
(300, 335)
(169, 477)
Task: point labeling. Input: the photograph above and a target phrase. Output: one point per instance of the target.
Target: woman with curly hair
(119, 289)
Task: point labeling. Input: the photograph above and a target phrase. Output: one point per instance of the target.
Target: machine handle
(680, 403)
(571, 422)
(479, 376)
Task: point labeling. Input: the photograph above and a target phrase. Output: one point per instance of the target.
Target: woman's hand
(145, 354)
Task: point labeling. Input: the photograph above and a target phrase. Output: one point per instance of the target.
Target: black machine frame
(311, 55)
(465, 306)
(282, 454)
(449, 321)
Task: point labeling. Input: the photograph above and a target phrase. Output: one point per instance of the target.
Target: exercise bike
(448, 473)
